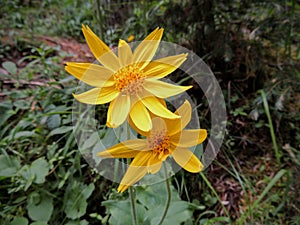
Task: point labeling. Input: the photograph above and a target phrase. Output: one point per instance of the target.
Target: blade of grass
(269, 186)
(267, 111)
(239, 177)
(100, 19)
(215, 193)
(262, 195)
(286, 193)
(145, 9)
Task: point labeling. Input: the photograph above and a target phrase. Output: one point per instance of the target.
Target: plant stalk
(168, 196)
(130, 189)
(144, 4)
(100, 19)
(267, 111)
(133, 209)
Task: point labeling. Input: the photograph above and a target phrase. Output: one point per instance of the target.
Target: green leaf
(148, 195)
(27, 175)
(60, 130)
(78, 222)
(9, 165)
(39, 206)
(98, 147)
(6, 112)
(77, 208)
(35, 173)
(215, 221)
(40, 169)
(110, 138)
(75, 199)
(178, 212)
(150, 206)
(63, 179)
(54, 121)
(24, 134)
(88, 191)
(38, 223)
(10, 67)
(91, 141)
(121, 212)
(20, 199)
(22, 104)
(19, 221)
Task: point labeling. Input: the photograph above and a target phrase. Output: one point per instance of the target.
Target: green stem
(133, 210)
(144, 3)
(100, 19)
(267, 111)
(168, 196)
(131, 194)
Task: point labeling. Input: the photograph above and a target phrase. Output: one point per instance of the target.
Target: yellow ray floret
(129, 81)
(165, 138)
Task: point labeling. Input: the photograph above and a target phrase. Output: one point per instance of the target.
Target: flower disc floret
(160, 145)
(129, 80)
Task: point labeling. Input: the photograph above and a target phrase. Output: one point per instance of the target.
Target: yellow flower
(166, 138)
(129, 81)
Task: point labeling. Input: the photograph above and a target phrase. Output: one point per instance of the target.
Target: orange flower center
(129, 79)
(159, 142)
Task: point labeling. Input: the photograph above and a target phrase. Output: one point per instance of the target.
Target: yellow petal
(100, 50)
(158, 125)
(187, 160)
(97, 96)
(136, 171)
(154, 164)
(162, 89)
(189, 138)
(118, 111)
(157, 108)
(145, 51)
(124, 53)
(140, 117)
(91, 74)
(131, 123)
(185, 113)
(164, 66)
(163, 102)
(126, 149)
